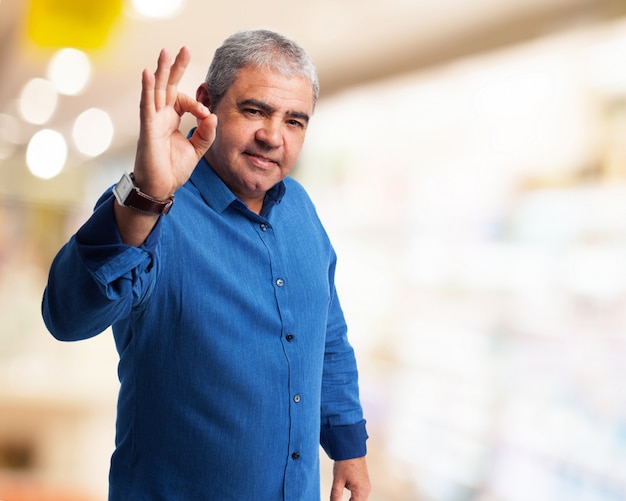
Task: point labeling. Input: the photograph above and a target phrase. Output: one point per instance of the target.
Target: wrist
(129, 194)
(151, 188)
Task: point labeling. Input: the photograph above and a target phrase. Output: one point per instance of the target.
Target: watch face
(123, 189)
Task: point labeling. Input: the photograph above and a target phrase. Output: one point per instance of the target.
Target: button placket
(298, 406)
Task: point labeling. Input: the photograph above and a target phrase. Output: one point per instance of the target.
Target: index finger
(146, 103)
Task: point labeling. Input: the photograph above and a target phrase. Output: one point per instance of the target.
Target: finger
(336, 492)
(161, 77)
(146, 103)
(204, 135)
(186, 104)
(177, 71)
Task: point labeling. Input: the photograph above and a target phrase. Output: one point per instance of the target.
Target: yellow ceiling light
(72, 23)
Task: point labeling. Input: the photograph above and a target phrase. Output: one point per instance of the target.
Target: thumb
(336, 492)
(204, 135)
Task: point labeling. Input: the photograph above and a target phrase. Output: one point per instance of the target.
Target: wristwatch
(128, 195)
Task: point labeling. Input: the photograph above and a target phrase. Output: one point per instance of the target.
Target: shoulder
(291, 182)
(297, 199)
(295, 190)
(298, 207)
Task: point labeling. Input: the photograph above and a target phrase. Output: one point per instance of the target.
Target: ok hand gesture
(165, 157)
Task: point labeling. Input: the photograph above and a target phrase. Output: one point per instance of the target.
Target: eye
(252, 111)
(296, 123)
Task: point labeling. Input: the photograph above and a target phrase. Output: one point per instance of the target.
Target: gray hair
(258, 48)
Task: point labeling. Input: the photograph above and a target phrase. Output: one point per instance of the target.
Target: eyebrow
(271, 110)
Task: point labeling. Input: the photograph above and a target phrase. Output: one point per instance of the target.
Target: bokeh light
(9, 134)
(46, 154)
(69, 70)
(38, 101)
(93, 132)
(157, 8)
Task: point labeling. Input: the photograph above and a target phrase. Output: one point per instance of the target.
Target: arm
(96, 279)
(109, 265)
(343, 434)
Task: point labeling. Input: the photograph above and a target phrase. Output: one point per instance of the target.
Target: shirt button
(263, 227)
(295, 455)
(296, 398)
(289, 337)
(280, 282)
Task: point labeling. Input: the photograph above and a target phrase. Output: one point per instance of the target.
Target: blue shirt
(234, 358)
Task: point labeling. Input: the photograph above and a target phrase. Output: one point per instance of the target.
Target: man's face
(262, 121)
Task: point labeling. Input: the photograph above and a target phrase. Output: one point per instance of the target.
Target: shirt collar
(218, 196)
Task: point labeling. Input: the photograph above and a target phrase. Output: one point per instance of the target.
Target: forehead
(276, 89)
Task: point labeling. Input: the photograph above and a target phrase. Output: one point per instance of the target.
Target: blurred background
(468, 158)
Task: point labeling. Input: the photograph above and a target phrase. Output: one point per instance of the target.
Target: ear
(202, 95)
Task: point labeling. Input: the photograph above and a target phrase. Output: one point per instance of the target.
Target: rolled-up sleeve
(96, 279)
(343, 432)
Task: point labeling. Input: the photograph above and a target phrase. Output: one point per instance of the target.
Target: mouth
(261, 161)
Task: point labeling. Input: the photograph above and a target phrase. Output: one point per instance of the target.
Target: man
(234, 361)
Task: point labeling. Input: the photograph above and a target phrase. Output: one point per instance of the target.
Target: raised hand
(165, 157)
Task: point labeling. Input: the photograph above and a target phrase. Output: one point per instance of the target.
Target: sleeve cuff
(101, 248)
(344, 442)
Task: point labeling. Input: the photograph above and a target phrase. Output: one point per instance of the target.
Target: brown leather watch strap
(145, 203)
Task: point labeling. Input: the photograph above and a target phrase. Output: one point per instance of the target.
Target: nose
(270, 134)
